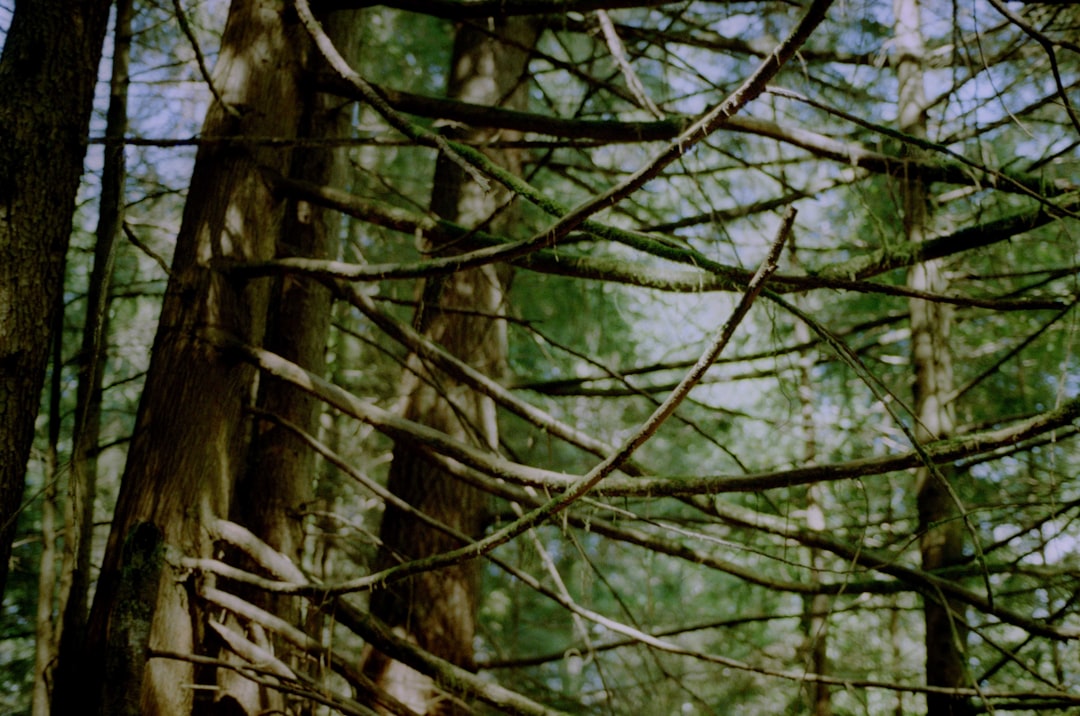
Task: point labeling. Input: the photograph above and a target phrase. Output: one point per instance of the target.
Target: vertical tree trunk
(191, 432)
(438, 610)
(816, 607)
(277, 484)
(942, 531)
(47, 74)
(82, 477)
(45, 646)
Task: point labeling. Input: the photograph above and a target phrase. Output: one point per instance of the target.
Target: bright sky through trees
(355, 362)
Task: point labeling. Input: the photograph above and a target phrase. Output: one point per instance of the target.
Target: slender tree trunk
(82, 478)
(897, 644)
(47, 75)
(438, 610)
(815, 620)
(942, 531)
(277, 485)
(191, 433)
(45, 628)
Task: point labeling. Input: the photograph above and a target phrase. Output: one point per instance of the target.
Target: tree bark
(942, 539)
(47, 75)
(438, 610)
(277, 486)
(192, 430)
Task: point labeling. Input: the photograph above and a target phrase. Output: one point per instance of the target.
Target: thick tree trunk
(47, 75)
(942, 531)
(191, 434)
(438, 610)
(277, 486)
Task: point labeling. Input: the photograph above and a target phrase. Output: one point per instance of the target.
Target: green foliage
(722, 582)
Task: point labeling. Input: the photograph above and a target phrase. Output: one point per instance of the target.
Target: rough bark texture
(942, 539)
(277, 486)
(191, 433)
(438, 610)
(136, 592)
(47, 75)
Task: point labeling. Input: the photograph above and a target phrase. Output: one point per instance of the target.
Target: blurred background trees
(435, 262)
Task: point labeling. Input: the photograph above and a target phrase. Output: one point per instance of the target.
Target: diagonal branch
(574, 491)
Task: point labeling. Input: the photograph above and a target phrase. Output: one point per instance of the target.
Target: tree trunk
(438, 610)
(82, 478)
(45, 629)
(277, 484)
(815, 620)
(191, 432)
(47, 75)
(942, 533)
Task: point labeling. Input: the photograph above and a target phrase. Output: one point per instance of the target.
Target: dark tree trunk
(461, 312)
(192, 430)
(47, 76)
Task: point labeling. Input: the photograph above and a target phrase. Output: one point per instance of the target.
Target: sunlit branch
(268, 679)
(578, 217)
(670, 647)
(367, 627)
(404, 429)
(452, 677)
(957, 169)
(1000, 179)
(561, 385)
(435, 441)
(559, 655)
(341, 665)
(430, 351)
(708, 275)
(374, 99)
(931, 586)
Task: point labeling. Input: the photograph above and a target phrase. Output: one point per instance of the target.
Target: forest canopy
(539, 356)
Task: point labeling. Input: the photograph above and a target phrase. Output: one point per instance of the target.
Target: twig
(574, 490)
(141, 246)
(377, 102)
(181, 18)
(1048, 45)
(632, 80)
